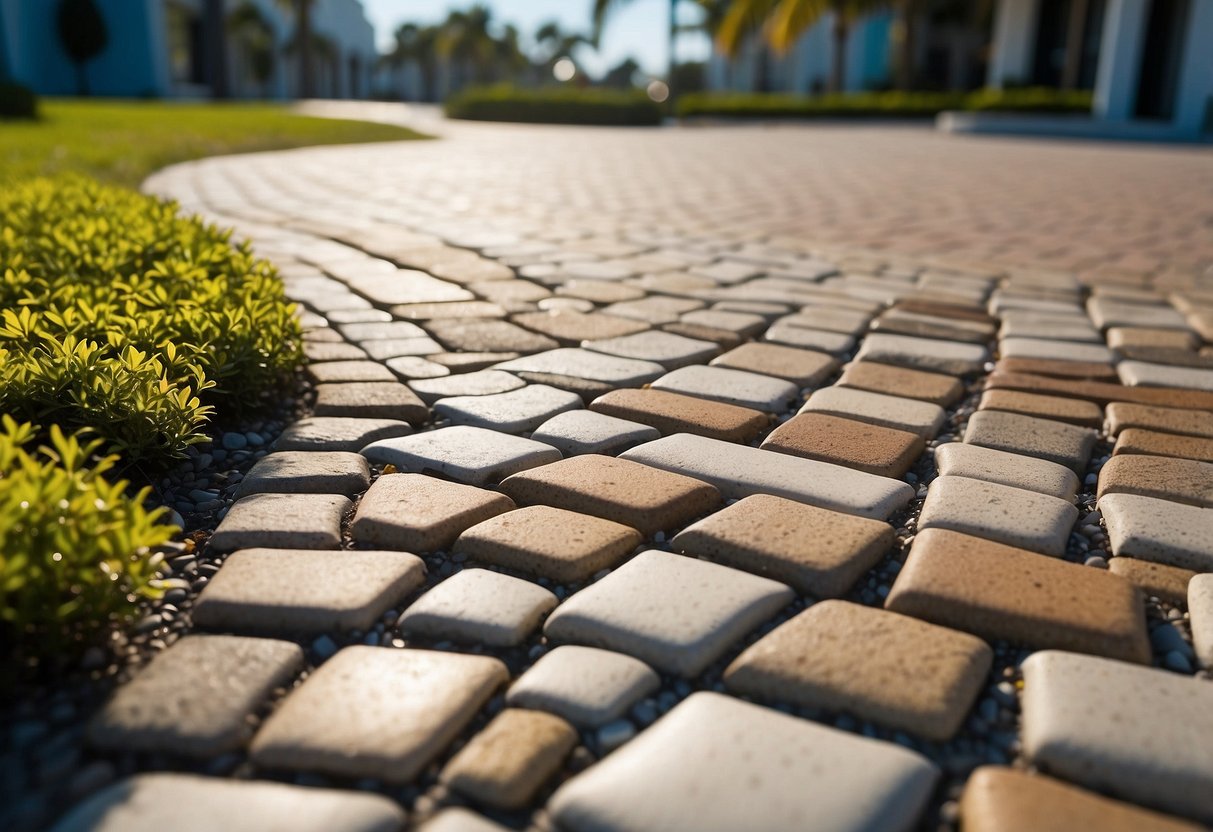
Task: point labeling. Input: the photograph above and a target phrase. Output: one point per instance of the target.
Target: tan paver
(467, 454)
(547, 542)
(998, 799)
(1200, 610)
(1067, 445)
(511, 759)
(1056, 408)
(1166, 478)
(155, 802)
(371, 400)
(1102, 392)
(1102, 725)
(1000, 592)
(304, 472)
(936, 388)
(282, 521)
(585, 685)
(1119, 337)
(717, 764)
(855, 444)
(1055, 368)
(911, 415)
(195, 697)
(643, 497)
(1160, 531)
(1153, 443)
(915, 677)
(675, 613)
(353, 717)
(975, 462)
(803, 368)
(676, 413)
(1001, 513)
(326, 372)
(483, 335)
(413, 512)
(570, 327)
(292, 591)
(338, 433)
(1170, 583)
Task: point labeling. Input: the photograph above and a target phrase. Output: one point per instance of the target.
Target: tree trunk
(216, 48)
(907, 43)
(307, 71)
(673, 35)
(838, 75)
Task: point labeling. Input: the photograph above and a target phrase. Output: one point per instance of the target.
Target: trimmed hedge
(17, 101)
(555, 105)
(880, 104)
(121, 316)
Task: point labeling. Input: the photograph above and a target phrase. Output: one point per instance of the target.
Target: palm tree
(603, 8)
(417, 45)
(302, 11)
(557, 43)
(785, 20)
(253, 37)
(216, 47)
(466, 41)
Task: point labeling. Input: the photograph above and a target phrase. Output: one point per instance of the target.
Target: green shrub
(17, 101)
(75, 549)
(880, 104)
(121, 316)
(556, 105)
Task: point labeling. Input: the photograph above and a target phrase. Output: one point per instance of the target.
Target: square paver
(586, 364)
(587, 432)
(717, 764)
(957, 459)
(518, 411)
(766, 535)
(300, 591)
(413, 512)
(307, 472)
(371, 400)
(675, 613)
(860, 445)
(478, 606)
(1159, 531)
(472, 455)
(377, 712)
(739, 471)
(1000, 592)
(338, 433)
(722, 384)
(804, 368)
(806, 662)
(1166, 478)
(911, 415)
(195, 698)
(1067, 445)
(664, 348)
(282, 521)
(676, 413)
(645, 498)
(1001, 513)
(546, 542)
(1103, 725)
(585, 685)
(936, 388)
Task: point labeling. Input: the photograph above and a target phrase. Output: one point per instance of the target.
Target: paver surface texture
(498, 581)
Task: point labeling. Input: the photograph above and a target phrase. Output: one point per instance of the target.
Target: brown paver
(1166, 478)
(548, 542)
(1153, 443)
(1122, 415)
(935, 388)
(1015, 433)
(482, 335)
(676, 413)
(1101, 392)
(1001, 592)
(1151, 338)
(1057, 408)
(571, 327)
(341, 371)
(1053, 368)
(766, 535)
(804, 368)
(1169, 583)
(371, 400)
(960, 312)
(914, 676)
(1000, 799)
(866, 447)
(417, 513)
(511, 759)
(647, 499)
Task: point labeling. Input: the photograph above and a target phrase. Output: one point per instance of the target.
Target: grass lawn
(124, 141)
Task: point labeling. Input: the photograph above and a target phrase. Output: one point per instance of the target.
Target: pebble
(1097, 561)
(235, 441)
(324, 647)
(1177, 661)
(1166, 639)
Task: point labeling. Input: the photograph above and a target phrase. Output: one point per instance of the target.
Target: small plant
(17, 101)
(76, 552)
(557, 105)
(880, 104)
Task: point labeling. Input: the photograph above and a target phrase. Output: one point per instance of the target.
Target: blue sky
(637, 28)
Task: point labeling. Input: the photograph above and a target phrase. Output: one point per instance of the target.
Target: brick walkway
(710, 479)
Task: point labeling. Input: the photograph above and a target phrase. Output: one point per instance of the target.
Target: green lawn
(124, 141)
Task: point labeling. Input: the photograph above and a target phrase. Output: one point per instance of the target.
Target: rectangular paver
(911, 415)
(677, 413)
(855, 444)
(1160, 531)
(467, 454)
(413, 512)
(1002, 513)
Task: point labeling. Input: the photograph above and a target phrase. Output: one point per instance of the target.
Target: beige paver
(195, 697)
(338, 433)
(155, 802)
(353, 717)
(1169, 583)
(587, 432)
(665, 348)
(413, 512)
(803, 368)
(478, 606)
(483, 335)
(1122, 416)
(818, 340)
(1054, 350)
(673, 612)
(859, 445)
(1166, 478)
(1147, 374)
(1200, 610)
(510, 759)
(371, 400)
(1103, 392)
(586, 364)
(643, 497)
(914, 676)
(459, 819)
(936, 388)
(1000, 592)
(911, 415)
(1001, 513)
(948, 357)
(478, 383)
(1058, 369)
(303, 472)
(1153, 443)
(676, 413)
(517, 411)
(282, 521)
(467, 454)
(730, 386)
(716, 764)
(341, 371)
(1067, 445)
(998, 799)
(1100, 724)
(1119, 337)
(1026, 472)
(1056, 408)
(547, 542)
(1159, 531)
(292, 591)
(585, 685)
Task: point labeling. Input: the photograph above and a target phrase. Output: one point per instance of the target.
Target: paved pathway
(710, 479)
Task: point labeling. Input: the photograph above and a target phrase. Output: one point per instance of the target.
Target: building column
(1195, 91)
(1120, 46)
(1014, 38)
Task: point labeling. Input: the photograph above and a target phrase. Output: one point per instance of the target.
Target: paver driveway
(661, 397)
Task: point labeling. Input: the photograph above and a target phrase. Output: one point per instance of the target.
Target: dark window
(1161, 57)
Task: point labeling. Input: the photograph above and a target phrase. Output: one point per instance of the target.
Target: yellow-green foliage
(881, 104)
(121, 316)
(75, 549)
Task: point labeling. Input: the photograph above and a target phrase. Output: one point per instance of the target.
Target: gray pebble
(614, 734)
(235, 441)
(1177, 661)
(324, 647)
(1097, 561)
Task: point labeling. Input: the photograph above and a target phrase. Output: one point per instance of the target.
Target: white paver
(949, 357)
(587, 686)
(587, 364)
(307, 472)
(743, 323)
(919, 417)
(665, 348)
(472, 455)
(738, 387)
(479, 383)
(518, 411)
(1109, 312)
(338, 433)
(1056, 350)
(1200, 611)
(1145, 374)
(975, 462)
(740, 470)
(282, 521)
(479, 606)
(1000, 513)
(1161, 531)
(820, 340)
(588, 432)
(717, 764)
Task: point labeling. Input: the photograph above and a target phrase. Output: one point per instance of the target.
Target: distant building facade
(161, 48)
